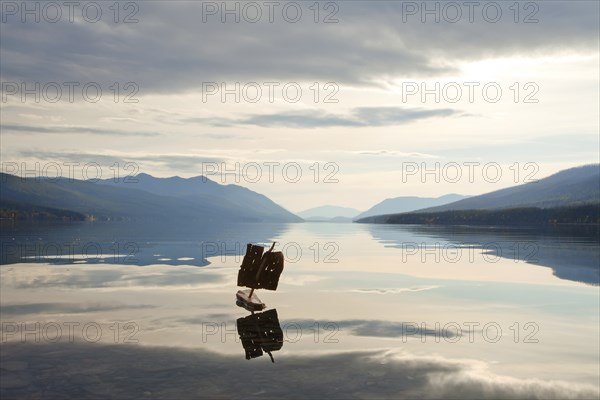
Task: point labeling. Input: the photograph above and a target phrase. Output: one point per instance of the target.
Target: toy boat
(258, 271)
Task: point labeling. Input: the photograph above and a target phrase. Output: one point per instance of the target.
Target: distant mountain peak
(395, 205)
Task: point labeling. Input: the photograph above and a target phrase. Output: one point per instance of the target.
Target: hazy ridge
(197, 199)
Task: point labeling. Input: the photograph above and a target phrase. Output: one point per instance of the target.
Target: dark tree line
(586, 214)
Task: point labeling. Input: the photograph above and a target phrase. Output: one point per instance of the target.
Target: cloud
(176, 162)
(358, 117)
(220, 136)
(121, 119)
(180, 162)
(395, 154)
(69, 156)
(30, 116)
(62, 130)
(385, 116)
(382, 153)
(171, 49)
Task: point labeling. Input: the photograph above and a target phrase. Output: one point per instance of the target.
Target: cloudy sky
(365, 99)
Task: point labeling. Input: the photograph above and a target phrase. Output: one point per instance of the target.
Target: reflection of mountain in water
(129, 242)
(260, 332)
(573, 252)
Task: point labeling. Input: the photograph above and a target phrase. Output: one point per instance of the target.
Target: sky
(310, 103)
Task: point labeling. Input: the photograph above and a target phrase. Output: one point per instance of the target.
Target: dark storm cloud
(171, 49)
(359, 117)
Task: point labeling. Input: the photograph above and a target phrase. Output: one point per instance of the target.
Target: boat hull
(250, 303)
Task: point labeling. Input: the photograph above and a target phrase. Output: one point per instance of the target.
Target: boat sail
(258, 271)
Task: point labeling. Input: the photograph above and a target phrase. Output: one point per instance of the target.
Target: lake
(131, 310)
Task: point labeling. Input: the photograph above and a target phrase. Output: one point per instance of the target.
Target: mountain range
(569, 196)
(144, 198)
(394, 205)
(407, 204)
(570, 187)
(199, 199)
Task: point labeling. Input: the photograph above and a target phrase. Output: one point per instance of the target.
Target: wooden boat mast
(262, 265)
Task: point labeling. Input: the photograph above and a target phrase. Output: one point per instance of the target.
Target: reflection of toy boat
(260, 332)
(258, 271)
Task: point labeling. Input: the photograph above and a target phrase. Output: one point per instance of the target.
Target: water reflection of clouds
(356, 327)
(373, 328)
(76, 277)
(117, 278)
(66, 308)
(78, 370)
(396, 290)
(301, 279)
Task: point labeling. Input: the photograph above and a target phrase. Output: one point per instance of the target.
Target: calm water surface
(365, 311)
